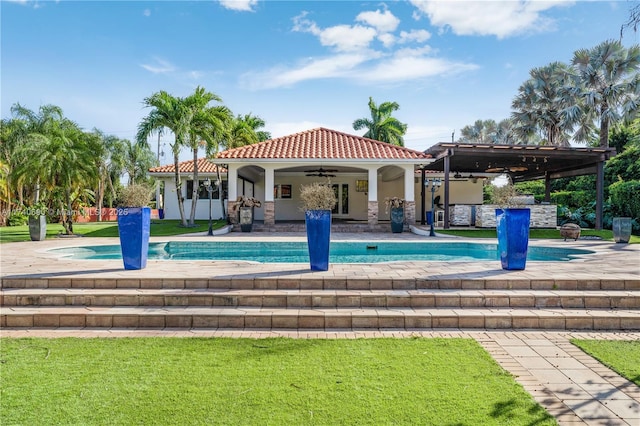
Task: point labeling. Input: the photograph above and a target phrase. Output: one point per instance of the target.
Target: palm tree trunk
(176, 163)
(604, 132)
(100, 197)
(69, 213)
(195, 190)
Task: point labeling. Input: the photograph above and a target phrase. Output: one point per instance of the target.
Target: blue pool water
(340, 252)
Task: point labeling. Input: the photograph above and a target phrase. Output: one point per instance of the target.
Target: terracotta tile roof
(204, 166)
(322, 143)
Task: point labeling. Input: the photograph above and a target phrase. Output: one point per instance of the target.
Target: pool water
(340, 252)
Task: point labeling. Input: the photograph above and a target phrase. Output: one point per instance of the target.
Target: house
(362, 171)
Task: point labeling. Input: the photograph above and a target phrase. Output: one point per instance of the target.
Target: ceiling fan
(320, 172)
(511, 169)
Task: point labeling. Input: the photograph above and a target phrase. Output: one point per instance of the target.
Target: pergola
(521, 162)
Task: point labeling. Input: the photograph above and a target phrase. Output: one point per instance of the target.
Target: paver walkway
(572, 386)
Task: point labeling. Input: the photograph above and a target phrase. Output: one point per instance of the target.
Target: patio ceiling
(522, 162)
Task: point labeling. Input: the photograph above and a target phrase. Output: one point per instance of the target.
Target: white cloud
(342, 38)
(499, 18)
(418, 36)
(240, 5)
(160, 66)
(328, 67)
(147, 12)
(406, 67)
(384, 22)
(387, 39)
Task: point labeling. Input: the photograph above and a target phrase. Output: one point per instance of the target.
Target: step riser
(320, 322)
(331, 301)
(323, 284)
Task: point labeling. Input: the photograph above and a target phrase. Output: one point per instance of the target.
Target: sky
(296, 64)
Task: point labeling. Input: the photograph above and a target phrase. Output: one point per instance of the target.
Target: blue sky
(296, 64)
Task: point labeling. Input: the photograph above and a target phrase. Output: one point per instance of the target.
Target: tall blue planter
(397, 219)
(318, 224)
(134, 227)
(512, 226)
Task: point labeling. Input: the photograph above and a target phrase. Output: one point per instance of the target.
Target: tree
(170, 113)
(136, 161)
(538, 108)
(488, 131)
(208, 124)
(606, 87)
(243, 130)
(58, 157)
(382, 126)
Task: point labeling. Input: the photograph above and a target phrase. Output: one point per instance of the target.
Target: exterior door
(341, 208)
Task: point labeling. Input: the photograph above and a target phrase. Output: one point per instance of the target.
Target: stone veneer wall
(269, 212)
(410, 212)
(372, 215)
(542, 216)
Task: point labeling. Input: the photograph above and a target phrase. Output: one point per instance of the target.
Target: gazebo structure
(521, 162)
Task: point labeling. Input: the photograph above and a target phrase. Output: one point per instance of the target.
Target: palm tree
(539, 108)
(382, 126)
(137, 160)
(58, 157)
(168, 112)
(605, 82)
(208, 125)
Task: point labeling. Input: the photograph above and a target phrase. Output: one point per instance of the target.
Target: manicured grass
(159, 228)
(622, 356)
(258, 382)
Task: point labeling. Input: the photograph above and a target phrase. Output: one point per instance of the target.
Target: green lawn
(159, 228)
(258, 382)
(622, 356)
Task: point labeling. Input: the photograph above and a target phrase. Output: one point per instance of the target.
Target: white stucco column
(373, 184)
(269, 203)
(268, 183)
(232, 181)
(372, 204)
(409, 184)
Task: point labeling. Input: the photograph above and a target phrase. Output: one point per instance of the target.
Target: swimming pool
(340, 252)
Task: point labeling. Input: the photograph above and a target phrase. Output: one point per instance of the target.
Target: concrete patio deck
(571, 385)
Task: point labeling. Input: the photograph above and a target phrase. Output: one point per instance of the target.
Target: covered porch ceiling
(522, 162)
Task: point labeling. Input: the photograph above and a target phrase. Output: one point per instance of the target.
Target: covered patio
(520, 162)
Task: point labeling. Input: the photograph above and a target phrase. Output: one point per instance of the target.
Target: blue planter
(397, 219)
(318, 224)
(512, 226)
(134, 226)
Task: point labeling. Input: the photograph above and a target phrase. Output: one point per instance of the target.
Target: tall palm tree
(539, 107)
(169, 112)
(382, 126)
(607, 85)
(208, 125)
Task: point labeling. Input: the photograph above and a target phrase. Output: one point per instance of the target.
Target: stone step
(616, 299)
(318, 318)
(320, 282)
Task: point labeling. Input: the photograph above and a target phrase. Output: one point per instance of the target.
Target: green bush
(572, 199)
(18, 217)
(625, 202)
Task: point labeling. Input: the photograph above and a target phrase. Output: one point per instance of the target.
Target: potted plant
(245, 206)
(395, 205)
(318, 199)
(38, 221)
(134, 225)
(621, 229)
(512, 226)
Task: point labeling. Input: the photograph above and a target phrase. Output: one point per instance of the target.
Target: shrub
(135, 195)
(625, 198)
(317, 196)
